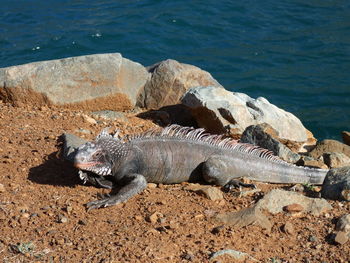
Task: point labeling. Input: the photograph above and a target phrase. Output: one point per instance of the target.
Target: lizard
(176, 154)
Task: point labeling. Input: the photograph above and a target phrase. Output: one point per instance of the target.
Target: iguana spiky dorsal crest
(177, 132)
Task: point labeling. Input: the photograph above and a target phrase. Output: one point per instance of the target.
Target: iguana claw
(101, 203)
(236, 184)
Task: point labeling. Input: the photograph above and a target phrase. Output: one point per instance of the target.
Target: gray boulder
(94, 82)
(277, 199)
(219, 110)
(327, 146)
(70, 144)
(256, 135)
(336, 185)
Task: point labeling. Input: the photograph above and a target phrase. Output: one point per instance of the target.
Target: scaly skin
(178, 154)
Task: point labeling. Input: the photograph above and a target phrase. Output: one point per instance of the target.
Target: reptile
(176, 154)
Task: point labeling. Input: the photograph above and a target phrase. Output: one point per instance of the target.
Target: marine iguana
(177, 154)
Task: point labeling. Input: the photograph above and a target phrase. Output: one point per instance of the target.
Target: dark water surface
(294, 53)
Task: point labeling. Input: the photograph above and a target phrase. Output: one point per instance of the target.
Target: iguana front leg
(136, 184)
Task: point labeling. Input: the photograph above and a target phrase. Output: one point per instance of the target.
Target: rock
(234, 254)
(88, 119)
(151, 185)
(82, 222)
(341, 238)
(138, 218)
(2, 188)
(335, 160)
(93, 82)
(329, 146)
(70, 143)
(345, 194)
(293, 208)
(336, 185)
(69, 209)
(288, 228)
(25, 215)
(245, 217)
(62, 219)
(170, 80)
(277, 199)
(211, 193)
(219, 110)
(188, 256)
(343, 224)
(153, 218)
(110, 115)
(311, 162)
(313, 239)
(255, 134)
(111, 221)
(346, 137)
(217, 230)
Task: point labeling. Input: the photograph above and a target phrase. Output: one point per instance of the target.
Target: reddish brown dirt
(43, 218)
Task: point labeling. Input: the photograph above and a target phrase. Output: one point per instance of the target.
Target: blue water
(294, 53)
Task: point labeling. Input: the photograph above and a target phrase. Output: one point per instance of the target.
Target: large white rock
(218, 110)
(96, 82)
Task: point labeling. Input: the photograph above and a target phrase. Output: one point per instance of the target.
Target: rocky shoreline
(112, 88)
(109, 82)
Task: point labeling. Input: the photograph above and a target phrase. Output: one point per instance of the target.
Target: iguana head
(99, 155)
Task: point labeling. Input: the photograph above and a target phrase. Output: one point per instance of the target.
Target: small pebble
(89, 119)
(217, 230)
(62, 219)
(288, 228)
(313, 238)
(293, 208)
(34, 215)
(154, 217)
(341, 238)
(25, 215)
(69, 209)
(111, 222)
(211, 193)
(82, 222)
(2, 188)
(138, 218)
(188, 256)
(151, 185)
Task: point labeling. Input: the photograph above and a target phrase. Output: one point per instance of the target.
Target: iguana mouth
(91, 166)
(85, 166)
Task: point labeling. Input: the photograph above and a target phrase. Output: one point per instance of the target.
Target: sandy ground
(43, 217)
